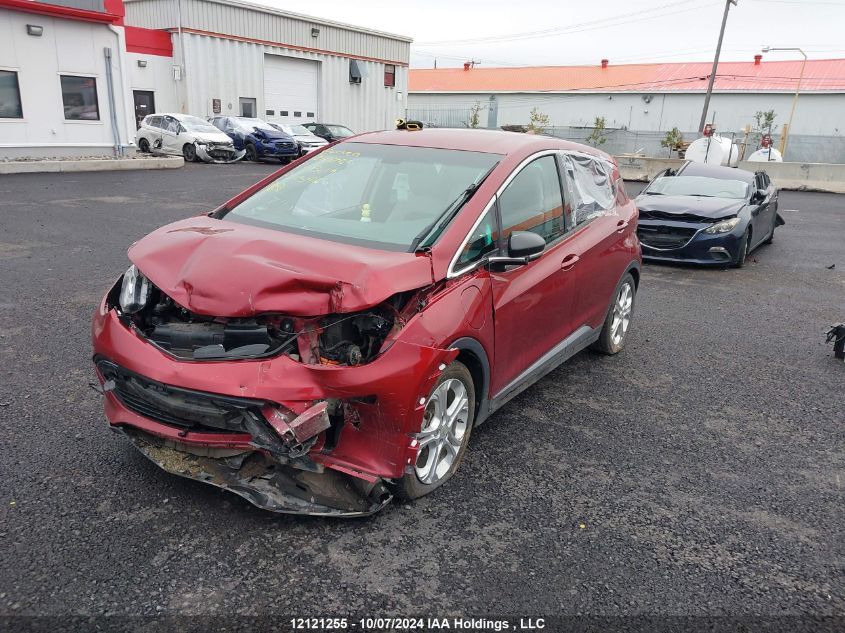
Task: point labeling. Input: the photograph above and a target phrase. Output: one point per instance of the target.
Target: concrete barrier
(826, 177)
(64, 166)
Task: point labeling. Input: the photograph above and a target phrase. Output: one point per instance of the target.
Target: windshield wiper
(448, 213)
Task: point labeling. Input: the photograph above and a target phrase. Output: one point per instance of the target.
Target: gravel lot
(699, 473)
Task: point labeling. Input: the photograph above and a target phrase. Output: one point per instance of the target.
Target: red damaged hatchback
(329, 338)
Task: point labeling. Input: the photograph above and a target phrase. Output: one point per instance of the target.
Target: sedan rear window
(698, 186)
(382, 196)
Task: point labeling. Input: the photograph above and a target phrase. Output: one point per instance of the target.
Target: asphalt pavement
(698, 473)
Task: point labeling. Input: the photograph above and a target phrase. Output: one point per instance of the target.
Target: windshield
(249, 125)
(380, 196)
(294, 130)
(698, 186)
(339, 131)
(196, 124)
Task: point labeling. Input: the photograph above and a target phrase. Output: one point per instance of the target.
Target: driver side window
(533, 201)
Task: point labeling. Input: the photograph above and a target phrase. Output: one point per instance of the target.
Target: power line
(574, 28)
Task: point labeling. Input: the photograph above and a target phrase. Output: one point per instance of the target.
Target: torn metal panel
(214, 155)
(267, 484)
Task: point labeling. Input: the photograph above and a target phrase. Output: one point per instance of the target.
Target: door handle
(569, 261)
(621, 226)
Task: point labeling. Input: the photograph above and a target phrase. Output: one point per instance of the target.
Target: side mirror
(525, 244)
(523, 247)
(759, 195)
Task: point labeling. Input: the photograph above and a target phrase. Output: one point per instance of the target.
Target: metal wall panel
(217, 68)
(268, 26)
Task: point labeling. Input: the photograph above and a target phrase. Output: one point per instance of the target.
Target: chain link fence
(801, 148)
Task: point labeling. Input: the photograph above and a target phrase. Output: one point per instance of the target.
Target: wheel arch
(473, 355)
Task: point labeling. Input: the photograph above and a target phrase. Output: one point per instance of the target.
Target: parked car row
(227, 139)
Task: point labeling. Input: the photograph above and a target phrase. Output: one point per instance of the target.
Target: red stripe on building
(148, 41)
(252, 40)
(69, 13)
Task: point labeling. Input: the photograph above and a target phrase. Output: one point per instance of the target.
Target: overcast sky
(585, 31)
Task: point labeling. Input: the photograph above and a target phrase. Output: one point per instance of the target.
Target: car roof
(715, 171)
(487, 141)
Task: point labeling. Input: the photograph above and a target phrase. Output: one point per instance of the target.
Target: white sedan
(187, 136)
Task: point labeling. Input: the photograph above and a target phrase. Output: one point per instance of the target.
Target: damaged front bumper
(287, 436)
(263, 481)
(220, 154)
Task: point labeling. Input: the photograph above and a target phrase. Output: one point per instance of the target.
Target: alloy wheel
(444, 429)
(621, 313)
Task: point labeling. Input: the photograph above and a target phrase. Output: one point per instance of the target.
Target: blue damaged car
(706, 214)
(257, 138)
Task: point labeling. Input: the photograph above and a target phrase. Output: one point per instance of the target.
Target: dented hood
(710, 208)
(219, 268)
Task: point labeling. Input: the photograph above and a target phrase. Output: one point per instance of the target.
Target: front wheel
(285, 160)
(144, 146)
(189, 152)
(742, 251)
(618, 319)
(444, 435)
(251, 154)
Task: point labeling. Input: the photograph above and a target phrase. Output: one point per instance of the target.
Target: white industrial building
(200, 57)
(643, 99)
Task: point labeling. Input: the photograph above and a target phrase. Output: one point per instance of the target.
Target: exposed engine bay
(335, 339)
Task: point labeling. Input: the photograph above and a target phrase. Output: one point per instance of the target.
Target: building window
(10, 96)
(389, 75)
(310, 115)
(283, 113)
(79, 96)
(297, 114)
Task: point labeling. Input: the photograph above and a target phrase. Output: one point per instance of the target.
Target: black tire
(189, 152)
(251, 153)
(608, 341)
(144, 146)
(285, 160)
(742, 252)
(411, 486)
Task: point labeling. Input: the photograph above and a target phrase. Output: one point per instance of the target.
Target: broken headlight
(135, 290)
(725, 226)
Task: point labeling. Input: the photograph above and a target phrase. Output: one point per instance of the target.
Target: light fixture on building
(142, 63)
(34, 30)
(315, 32)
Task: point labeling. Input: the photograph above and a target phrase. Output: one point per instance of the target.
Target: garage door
(290, 89)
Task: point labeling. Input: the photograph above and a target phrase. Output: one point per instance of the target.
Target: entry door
(144, 105)
(532, 303)
(248, 107)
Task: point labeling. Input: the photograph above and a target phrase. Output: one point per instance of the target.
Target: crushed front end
(222, 153)
(297, 415)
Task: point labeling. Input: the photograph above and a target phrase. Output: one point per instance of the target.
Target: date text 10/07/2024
(468, 625)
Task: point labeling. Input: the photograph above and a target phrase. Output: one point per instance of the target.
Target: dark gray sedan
(704, 214)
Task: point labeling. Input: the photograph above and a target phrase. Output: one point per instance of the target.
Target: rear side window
(482, 241)
(533, 201)
(589, 182)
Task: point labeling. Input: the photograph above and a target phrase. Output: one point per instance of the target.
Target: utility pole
(701, 125)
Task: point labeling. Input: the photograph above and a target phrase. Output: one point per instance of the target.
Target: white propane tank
(716, 150)
(765, 155)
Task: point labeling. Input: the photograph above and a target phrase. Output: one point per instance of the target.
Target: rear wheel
(444, 435)
(742, 251)
(144, 146)
(251, 154)
(189, 152)
(618, 319)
